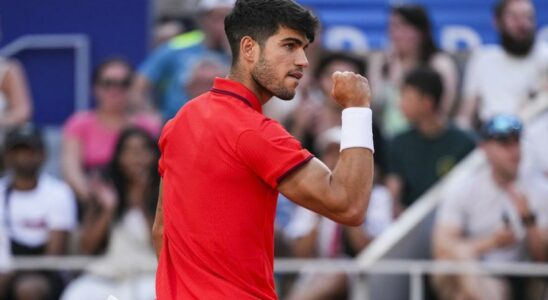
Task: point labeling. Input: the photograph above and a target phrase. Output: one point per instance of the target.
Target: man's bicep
(308, 186)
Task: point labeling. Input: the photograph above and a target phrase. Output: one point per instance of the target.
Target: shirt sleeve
(271, 153)
(157, 64)
(62, 207)
(76, 126)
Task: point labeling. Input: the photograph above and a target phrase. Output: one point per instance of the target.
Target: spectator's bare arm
(394, 183)
(73, 171)
(140, 98)
(158, 226)
(448, 70)
(96, 227)
(57, 242)
(358, 238)
(15, 87)
(449, 242)
(467, 112)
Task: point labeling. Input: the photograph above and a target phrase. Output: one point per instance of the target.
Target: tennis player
(223, 162)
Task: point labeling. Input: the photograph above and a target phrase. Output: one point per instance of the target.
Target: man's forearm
(535, 243)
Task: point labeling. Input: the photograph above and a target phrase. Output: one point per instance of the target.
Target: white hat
(329, 137)
(206, 5)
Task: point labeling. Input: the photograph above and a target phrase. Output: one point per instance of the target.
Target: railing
(416, 269)
(78, 42)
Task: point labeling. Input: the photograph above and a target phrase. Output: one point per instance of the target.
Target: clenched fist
(350, 90)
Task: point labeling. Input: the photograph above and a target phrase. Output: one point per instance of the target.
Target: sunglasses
(114, 83)
(503, 128)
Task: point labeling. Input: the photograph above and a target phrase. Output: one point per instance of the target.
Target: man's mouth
(298, 75)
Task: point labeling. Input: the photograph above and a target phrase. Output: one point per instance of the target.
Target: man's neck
(501, 180)
(245, 78)
(430, 126)
(24, 183)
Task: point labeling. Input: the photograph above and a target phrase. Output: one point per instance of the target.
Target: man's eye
(290, 46)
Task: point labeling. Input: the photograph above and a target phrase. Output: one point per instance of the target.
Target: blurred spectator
(493, 216)
(411, 46)
(202, 74)
(423, 154)
(39, 213)
(502, 78)
(166, 71)
(89, 137)
(119, 224)
(15, 100)
(316, 236)
(165, 30)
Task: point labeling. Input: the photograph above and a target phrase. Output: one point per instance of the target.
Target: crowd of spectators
(424, 125)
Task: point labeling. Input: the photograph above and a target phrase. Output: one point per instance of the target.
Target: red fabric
(221, 162)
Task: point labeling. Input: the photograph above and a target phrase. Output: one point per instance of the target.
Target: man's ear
(249, 49)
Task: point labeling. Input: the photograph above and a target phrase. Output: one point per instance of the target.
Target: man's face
(25, 160)
(517, 26)
(504, 156)
(413, 104)
(281, 63)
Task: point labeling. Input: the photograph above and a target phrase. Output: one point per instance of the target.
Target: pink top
(98, 141)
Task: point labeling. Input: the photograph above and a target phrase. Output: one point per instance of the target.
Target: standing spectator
(492, 216)
(411, 46)
(502, 78)
(423, 154)
(167, 70)
(39, 212)
(89, 137)
(119, 224)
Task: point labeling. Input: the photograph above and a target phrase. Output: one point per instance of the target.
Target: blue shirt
(169, 68)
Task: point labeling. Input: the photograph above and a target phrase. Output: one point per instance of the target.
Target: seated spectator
(503, 78)
(411, 46)
(89, 137)
(314, 236)
(119, 224)
(39, 212)
(493, 216)
(423, 154)
(15, 100)
(165, 71)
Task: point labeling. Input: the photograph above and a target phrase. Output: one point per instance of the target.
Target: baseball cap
(26, 135)
(206, 5)
(502, 128)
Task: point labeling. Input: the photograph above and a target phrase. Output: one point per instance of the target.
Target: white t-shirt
(478, 206)
(32, 214)
(378, 218)
(502, 82)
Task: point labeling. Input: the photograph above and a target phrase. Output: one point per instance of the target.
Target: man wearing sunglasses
(492, 216)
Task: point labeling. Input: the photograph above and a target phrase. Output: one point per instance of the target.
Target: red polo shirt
(221, 162)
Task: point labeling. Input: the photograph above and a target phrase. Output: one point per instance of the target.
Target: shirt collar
(237, 90)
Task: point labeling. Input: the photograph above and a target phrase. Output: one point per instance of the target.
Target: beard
(517, 47)
(264, 74)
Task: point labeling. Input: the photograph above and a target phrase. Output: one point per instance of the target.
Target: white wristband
(357, 128)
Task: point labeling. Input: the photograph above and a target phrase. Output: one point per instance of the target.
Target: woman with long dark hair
(118, 224)
(411, 45)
